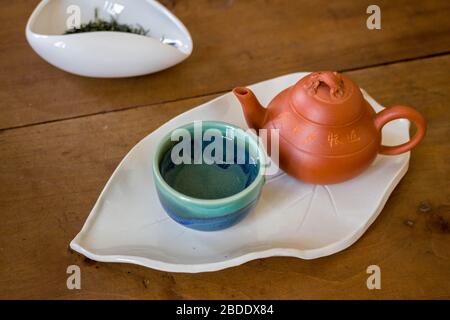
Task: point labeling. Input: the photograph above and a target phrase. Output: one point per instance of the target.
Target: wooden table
(61, 136)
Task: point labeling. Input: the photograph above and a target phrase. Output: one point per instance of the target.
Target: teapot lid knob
(331, 79)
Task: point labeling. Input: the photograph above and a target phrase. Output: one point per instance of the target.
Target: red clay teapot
(328, 132)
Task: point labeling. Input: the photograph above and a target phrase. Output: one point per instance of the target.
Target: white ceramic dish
(127, 224)
(108, 54)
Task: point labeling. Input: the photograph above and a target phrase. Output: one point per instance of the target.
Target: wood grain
(51, 175)
(235, 42)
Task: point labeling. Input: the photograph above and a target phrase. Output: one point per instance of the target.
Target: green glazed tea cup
(205, 195)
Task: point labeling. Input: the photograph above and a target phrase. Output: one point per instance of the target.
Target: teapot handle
(398, 112)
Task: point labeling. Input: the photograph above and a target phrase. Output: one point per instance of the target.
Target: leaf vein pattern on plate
(158, 221)
(333, 203)
(308, 209)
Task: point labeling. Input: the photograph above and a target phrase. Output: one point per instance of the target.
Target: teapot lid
(327, 98)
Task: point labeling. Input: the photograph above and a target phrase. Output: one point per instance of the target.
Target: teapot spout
(254, 112)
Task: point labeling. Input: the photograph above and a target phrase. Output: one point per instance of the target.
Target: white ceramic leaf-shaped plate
(127, 224)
